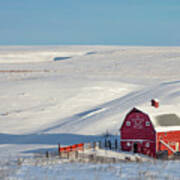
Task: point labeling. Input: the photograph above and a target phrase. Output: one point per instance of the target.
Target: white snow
(45, 102)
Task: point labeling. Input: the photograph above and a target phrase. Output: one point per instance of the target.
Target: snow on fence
(106, 151)
(103, 151)
(93, 145)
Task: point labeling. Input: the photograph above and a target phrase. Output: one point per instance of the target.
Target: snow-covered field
(71, 94)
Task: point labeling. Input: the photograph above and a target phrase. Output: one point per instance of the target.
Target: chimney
(155, 103)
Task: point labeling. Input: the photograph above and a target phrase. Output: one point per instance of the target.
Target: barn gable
(137, 120)
(134, 110)
(139, 123)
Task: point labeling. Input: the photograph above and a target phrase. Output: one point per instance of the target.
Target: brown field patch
(22, 71)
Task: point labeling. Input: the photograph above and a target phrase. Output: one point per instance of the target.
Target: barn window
(128, 144)
(147, 123)
(128, 123)
(147, 144)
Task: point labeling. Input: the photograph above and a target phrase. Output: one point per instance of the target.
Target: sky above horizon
(90, 22)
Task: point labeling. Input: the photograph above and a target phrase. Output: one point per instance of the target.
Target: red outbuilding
(151, 132)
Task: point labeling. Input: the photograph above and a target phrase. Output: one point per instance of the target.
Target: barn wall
(144, 147)
(138, 129)
(172, 138)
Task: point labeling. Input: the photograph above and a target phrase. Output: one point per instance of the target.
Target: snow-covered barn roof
(164, 118)
(168, 120)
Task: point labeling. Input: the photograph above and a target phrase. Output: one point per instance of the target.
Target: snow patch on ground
(44, 102)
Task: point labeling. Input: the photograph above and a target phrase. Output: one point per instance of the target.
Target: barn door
(135, 147)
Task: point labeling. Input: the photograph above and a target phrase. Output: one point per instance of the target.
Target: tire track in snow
(119, 105)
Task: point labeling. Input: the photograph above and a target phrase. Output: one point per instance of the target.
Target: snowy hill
(70, 94)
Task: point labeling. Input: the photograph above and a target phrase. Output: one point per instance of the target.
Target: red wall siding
(171, 138)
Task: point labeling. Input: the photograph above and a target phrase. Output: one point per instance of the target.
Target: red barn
(142, 132)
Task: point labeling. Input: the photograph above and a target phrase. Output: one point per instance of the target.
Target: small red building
(150, 132)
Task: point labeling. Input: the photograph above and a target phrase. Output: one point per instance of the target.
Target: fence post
(99, 144)
(116, 144)
(120, 143)
(83, 147)
(47, 154)
(76, 154)
(59, 150)
(109, 143)
(94, 145)
(67, 154)
(89, 146)
(105, 144)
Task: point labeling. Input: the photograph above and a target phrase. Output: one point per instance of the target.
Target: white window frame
(128, 144)
(148, 123)
(147, 144)
(128, 123)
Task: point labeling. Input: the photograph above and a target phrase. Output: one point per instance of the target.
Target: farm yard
(69, 95)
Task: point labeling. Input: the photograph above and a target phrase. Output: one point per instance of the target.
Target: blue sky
(106, 22)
